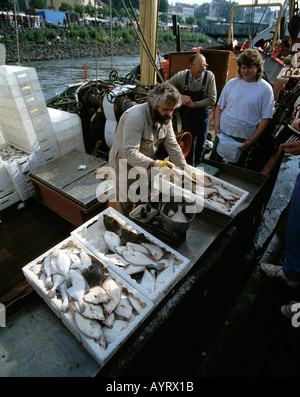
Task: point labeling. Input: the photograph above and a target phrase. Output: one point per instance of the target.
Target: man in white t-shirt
(244, 109)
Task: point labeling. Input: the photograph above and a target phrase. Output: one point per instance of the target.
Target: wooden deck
(25, 234)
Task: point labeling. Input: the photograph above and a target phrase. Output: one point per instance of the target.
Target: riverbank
(54, 49)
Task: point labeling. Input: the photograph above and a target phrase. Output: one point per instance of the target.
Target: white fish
(165, 276)
(133, 269)
(219, 205)
(91, 311)
(137, 247)
(90, 328)
(112, 240)
(75, 259)
(78, 289)
(64, 296)
(117, 259)
(227, 194)
(204, 191)
(124, 308)
(111, 334)
(113, 290)
(179, 215)
(136, 303)
(62, 262)
(58, 279)
(85, 259)
(155, 251)
(48, 271)
(148, 282)
(109, 320)
(96, 295)
(137, 258)
(37, 269)
(120, 249)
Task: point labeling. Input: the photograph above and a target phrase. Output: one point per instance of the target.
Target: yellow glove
(164, 163)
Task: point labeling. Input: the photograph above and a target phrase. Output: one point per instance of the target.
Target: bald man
(197, 87)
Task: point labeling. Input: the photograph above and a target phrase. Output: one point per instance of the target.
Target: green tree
(190, 21)
(37, 4)
(202, 11)
(164, 17)
(163, 6)
(65, 7)
(79, 8)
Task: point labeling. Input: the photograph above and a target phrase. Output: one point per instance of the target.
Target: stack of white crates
(68, 130)
(27, 125)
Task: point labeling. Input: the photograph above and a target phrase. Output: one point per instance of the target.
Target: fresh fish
(48, 271)
(226, 194)
(112, 224)
(112, 240)
(117, 260)
(85, 260)
(91, 311)
(111, 334)
(148, 282)
(219, 205)
(124, 308)
(137, 258)
(137, 247)
(62, 263)
(165, 276)
(155, 251)
(204, 191)
(136, 303)
(90, 328)
(113, 290)
(120, 249)
(109, 320)
(133, 269)
(94, 273)
(58, 279)
(171, 213)
(64, 296)
(96, 295)
(78, 289)
(37, 269)
(179, 215)
(75, 259)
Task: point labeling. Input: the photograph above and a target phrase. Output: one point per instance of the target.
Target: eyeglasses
(200, 66)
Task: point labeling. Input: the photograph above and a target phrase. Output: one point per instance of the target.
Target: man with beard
(141, 129)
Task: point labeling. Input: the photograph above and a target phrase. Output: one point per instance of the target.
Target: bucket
(173, 226)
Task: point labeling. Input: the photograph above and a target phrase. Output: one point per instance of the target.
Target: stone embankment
(56, 50)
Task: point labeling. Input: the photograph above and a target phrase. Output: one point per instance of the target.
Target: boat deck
(231, 326)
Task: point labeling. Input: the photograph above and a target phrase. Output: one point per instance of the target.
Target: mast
(148, 25)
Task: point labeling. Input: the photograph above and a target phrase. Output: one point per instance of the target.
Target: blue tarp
(53, 16)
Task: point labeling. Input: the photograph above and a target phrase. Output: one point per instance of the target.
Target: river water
(56, 75)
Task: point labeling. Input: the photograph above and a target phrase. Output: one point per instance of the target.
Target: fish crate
(103, 344)
(171, 181)
(8, 200)
(91, 234)
(18, 163)
(68, 130)
(6, 185)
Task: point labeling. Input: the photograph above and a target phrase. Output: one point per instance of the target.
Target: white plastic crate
(91, 233)
(34, 278)
(68, 130)
(6, 185)
(18, 170)
(175, 189)
(9, 200)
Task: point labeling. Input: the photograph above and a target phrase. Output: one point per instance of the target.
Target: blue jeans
(291, 265)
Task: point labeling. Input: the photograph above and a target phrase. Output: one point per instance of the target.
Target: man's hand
(291, 147)
(164, 163)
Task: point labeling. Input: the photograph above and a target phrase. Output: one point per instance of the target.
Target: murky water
(56, 75)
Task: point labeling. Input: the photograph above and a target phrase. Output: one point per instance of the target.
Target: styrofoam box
(90, 234)
(101, 356)
(202, 202)
(9, 200)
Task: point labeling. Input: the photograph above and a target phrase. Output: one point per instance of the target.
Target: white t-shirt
(244, 105)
